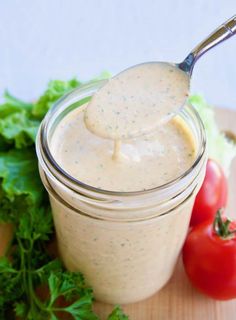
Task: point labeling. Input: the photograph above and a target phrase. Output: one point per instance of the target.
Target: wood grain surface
(178, 300)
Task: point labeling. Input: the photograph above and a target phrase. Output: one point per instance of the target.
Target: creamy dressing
(121, 140)
(138, 164)
(137, 101)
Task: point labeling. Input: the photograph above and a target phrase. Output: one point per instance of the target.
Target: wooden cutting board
(178, 300)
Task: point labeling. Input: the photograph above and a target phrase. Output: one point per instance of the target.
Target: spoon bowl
(141, 98)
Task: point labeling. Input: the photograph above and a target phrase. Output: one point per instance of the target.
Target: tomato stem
(221, 227)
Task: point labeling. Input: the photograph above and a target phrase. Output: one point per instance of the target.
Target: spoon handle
(224, 32)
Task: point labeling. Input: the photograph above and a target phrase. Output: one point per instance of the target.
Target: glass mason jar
(125, 243)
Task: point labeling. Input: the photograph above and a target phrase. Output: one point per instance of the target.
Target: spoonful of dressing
(138, 100)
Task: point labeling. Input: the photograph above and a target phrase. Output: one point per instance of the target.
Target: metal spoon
(224, 32)
(127, 115)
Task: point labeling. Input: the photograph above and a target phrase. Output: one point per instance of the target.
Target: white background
(47, 39)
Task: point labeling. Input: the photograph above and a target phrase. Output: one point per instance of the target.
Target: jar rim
(43, 149)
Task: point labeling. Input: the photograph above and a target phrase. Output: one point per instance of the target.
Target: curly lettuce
(220, 148)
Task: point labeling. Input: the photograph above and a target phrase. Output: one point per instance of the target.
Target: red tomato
(209, 257)
(212, 196)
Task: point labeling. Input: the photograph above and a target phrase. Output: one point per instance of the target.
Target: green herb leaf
(82, 309)
(6, 266)
(21, 309)
(67, 284)
(36, 224)
(117, 314)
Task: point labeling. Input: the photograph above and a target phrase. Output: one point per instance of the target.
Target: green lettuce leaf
(20, 184)
(56, 89)
(219, 147)
(18, 127)
(19, 173)
(13, 104)
(19, 121)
